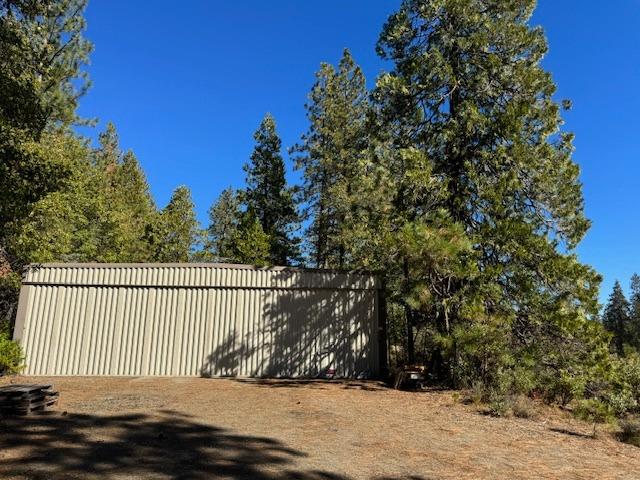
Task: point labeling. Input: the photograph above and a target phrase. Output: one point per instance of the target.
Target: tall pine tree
(100, 214)
(635, 311)
(224, 223)
(617, 318)
(250, 244)
(133, 210)
(41, 78)
(125, 207)
(470, 105)
(268, 196)
(175, 233)
(331, 156)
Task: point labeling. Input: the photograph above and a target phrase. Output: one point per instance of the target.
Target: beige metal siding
(197, 320)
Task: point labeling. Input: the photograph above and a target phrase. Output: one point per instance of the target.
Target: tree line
(621, 317)
(453, 175)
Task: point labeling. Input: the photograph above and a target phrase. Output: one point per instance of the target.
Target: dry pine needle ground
(125, 428)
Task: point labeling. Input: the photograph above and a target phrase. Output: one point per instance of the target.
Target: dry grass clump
(499, 405)
(523, 407)
(630, 431)
(519, 406)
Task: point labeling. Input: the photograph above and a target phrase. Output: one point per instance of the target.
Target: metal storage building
(199, 320)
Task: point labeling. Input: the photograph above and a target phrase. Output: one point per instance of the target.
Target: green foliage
(251, 245)
(43, 53)
(236, 236)
(593, 410)
(132, 209)
(268, 196)
(174, 234)
(454, 177)
(481, 351)
(125, 207)
(41, 78)
(101, 213)
(623, 390)
(224, 221)
(48, 232)
(620, 391)
(331, 157)
(617, 318)
(634, 300)
(484, 202)
(11, 357)
(9, 291)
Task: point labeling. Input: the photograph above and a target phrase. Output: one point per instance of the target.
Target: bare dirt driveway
(192, 428)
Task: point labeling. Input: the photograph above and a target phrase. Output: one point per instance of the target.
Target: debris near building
(26, 399)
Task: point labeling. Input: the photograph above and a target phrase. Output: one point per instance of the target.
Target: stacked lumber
(26, 399)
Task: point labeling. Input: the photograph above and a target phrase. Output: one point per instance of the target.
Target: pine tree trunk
(408, 313)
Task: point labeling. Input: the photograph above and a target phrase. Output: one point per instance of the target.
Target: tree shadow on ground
(572, 433)
(167, 445)
(320, 384)
(170, 445)
(410, 477)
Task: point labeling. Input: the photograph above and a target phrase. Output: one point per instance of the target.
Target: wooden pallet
(26, 399)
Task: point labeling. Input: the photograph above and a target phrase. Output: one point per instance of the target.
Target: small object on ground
(26, 399)
(411, 377)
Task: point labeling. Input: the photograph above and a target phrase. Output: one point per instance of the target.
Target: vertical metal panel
(198, 320)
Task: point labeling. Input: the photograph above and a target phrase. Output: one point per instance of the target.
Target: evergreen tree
(331, 157)
(617, 318)
(41, 78)
(124, 208)
(108, 156)
(100, 214)
(268, 196)
(42, 55)
(133, 209)
(635, 311)
(250, 244)
(468, 114)
(63, 225)
(224, 223)
(174, 235)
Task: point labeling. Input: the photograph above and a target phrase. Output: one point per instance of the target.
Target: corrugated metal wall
(197, 319)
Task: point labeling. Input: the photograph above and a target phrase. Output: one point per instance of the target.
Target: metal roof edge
(235, 266)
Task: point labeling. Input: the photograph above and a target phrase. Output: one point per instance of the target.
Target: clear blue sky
(186, 86)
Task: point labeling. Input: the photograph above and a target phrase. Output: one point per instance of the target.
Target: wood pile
(26, 399)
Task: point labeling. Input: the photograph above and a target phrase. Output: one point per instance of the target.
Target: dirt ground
(195, 428)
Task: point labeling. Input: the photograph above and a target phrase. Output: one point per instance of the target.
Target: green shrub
(595, 411)
(477, 394)
(11, 358)
(499, 406)
(621, 391)
(622, 402)
(9, 291)
(562, 387)
(629, 381)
